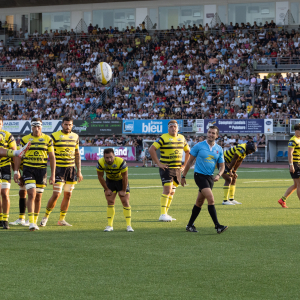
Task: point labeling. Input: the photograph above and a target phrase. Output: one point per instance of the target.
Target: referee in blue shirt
(207, 154)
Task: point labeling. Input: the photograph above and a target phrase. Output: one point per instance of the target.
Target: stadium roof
(24, 3)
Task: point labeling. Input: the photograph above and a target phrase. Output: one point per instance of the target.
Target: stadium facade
(160, 14)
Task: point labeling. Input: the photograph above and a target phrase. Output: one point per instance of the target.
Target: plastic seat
(280, 154)
(285, 154)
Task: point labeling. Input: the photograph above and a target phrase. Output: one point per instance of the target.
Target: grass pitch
(256, 258)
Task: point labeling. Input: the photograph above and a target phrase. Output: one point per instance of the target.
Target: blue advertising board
(147, 126)
(237, 125)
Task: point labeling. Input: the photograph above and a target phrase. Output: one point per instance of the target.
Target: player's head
(250, 148)
(1, 122)
(36, 126)
(67, 124)
(212, 133)
(173, 128)
(297, 130)
(109, 155)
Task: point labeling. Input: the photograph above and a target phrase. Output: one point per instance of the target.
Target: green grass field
(256, 258)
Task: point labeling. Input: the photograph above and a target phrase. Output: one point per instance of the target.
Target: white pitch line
(146, 187)
(266, 180)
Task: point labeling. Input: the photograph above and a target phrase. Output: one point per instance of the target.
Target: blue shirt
(207, 157)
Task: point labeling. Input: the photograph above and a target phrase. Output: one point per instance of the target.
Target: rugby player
(116, 182)
(294, 164)
(66, 148)
(7, 143)
(207, 155)
(171, 146)
(22, 198)
(35, 169)
(233, 159)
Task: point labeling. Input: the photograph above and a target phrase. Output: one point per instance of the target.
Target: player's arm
(52, 167)
(78, 165)
(124, 184)
(186, 150)
(186, 169)
(290, 159)
(152, 151)
(102, 181)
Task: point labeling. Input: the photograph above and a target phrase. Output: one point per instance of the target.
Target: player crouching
(116, 182)
(234, 158)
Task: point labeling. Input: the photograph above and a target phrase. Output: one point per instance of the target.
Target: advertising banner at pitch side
(24, 127)
(238, 126)
(147, 126)
(95, 153)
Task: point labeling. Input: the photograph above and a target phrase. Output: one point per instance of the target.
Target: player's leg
(126, 206)
(226, 187)
(37, 202)
(68, 189)
(232, 189)
(13, 153)
(22, 207)
(297, 181)
(31, 191)
(167, 182)
(57, 189)
(5, 187)
(170, 199)
(110, 211)
(288, 192)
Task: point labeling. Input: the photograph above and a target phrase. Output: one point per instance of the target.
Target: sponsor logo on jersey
(114, 166)
(61, 136)
(31, 139)
(41, 140)
(179, 139)
(71, 137)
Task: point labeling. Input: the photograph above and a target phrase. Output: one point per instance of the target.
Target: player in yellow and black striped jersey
(66, 148)
(294, 164)
(171, 146)
(233, 159)
(35, 168)
(116, 182)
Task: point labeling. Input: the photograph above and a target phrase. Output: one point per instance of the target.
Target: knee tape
(69, 188)
(22, 188)
(39, 190)
(5, 185)
(30, 186)
(57, 188)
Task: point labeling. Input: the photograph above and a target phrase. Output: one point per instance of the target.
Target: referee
(207, 154)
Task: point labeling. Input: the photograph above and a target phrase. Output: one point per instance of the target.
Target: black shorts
(65, 175)
(170, 175)
(226, 170)
(5, 173)
(204, 181)
(35, 175)
(116, 185)
(296, 174)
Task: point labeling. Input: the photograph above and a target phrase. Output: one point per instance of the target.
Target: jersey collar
(210, 147)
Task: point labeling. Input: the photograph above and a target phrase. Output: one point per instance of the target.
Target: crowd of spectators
(184, 73)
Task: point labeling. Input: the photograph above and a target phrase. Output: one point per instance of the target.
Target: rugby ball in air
(103, 72)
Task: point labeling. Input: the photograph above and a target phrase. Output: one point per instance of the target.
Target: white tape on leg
(69, 188)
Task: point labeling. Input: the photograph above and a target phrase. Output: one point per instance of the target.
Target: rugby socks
(127, 215)
(195, 212)
(22, 208)
(163, 204)
(110, 215)
(36, 216)
(169, 202)
(31, 217)
(213, 214)
(48, 212)
(226, 193)
(1, 217)
(282, 198)
(231, 192)
(62, 215)
(5, 217)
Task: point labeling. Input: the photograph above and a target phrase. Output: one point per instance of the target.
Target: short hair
(297, 126)
(36, 120)
(68, 119)
(172, 122)
(214, 127)
(1, 118)
(108, 150)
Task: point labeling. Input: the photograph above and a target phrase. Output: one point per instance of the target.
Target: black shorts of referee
(204, 181)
